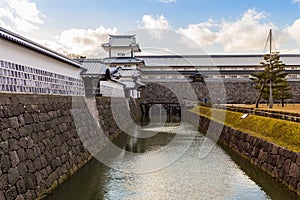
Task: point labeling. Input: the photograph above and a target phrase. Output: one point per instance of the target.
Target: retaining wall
(275, 160)
(236, 92)
(42, 141)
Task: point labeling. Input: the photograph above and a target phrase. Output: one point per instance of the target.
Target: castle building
(228, 68)
(27, 67)
(121, 67)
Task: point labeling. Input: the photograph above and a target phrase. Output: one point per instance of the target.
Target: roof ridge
(16, 38)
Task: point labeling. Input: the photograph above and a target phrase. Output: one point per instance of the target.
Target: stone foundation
(42, 142)
(236, 92)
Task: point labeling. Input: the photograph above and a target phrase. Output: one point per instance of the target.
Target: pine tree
(280, 87)
(283, 91)
(275, 75)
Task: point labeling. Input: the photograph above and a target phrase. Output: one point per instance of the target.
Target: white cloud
(294, 31)
(156, 25)
(199, 35)
(158, 22)
(247, 33)
(21, 15)
(85, 42)
(296, 1)
(167, 1)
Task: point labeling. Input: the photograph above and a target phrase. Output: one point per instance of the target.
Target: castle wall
(236, 92)
(43, 140)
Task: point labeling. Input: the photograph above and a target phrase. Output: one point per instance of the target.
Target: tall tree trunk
(258, 99)
(282, 102)
(260, 95)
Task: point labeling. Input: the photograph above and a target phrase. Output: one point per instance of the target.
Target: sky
(161, 26)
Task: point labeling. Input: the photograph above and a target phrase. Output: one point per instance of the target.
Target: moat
(222, 174)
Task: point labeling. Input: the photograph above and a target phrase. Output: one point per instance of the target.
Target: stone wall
(236, 92)
(42, 141)
(277, 161)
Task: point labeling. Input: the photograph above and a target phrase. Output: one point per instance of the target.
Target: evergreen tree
(275, 75)
(283, 91)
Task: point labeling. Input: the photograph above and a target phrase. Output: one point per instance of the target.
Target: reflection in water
(216, 176)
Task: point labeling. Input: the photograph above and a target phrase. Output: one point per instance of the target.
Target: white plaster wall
(111, 89)
(17, 54)
(115, 51)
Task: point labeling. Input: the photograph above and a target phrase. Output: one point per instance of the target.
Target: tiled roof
(93, 67)
(98, 67)
(122, 41)
(15, 38)
(213, 60)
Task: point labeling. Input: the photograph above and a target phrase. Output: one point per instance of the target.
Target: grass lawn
(294, 108)
(280, 132)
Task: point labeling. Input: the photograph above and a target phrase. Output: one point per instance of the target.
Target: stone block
(49, 170)
(294, 171)
(28, 118)
(298, 160)
(4, 147)
(21, 186)
(5, 163)
(21, 120)
(11, 193)
(5, 124)
(22, 168)
(14, 122)
(15, 134)
(37, 164)
(3, 182)
(23, 131)
(36, 150)
(20, 197)
(30, 181)
(14, 158)
(30, 166)
(262, 155)
(56, 162)
(42, 147)
(39, 177)
(23, 142)
(51, 178)
(13, 144)
(30, 143)
(30, 154)
(5, 135)
(13, 176)
(30, 195)
(35, 117)
(286, 166)
(44, 161)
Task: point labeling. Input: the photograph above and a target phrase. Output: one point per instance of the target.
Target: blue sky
(214, 26)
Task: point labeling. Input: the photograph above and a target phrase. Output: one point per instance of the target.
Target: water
(220, 175)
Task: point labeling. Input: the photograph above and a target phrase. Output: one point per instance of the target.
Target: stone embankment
(236, 92)
(43, 139)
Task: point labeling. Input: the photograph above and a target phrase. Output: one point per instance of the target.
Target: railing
(289, 116)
